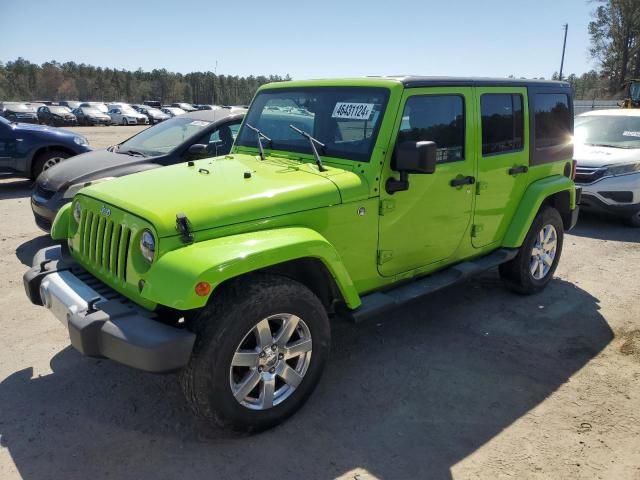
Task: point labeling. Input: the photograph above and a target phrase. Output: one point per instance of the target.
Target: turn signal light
(203, 289)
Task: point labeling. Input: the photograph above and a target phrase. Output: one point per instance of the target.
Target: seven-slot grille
(104, 243)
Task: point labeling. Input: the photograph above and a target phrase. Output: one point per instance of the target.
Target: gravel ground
(471, 382)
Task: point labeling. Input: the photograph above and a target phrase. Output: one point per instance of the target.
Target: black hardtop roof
(410, 81)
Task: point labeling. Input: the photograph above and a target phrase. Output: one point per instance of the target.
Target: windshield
(59, 110)
(607, 130)
(128, 110)
(4, 121)
(90, 111)
(153, 111)
(165, 136)
(345, 119)
(19, 107)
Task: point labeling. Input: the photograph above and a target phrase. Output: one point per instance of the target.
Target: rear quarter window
(552, 116)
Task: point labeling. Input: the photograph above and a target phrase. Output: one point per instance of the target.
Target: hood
(50, 131)
(86, 167)
(592, 156)
(214, 192)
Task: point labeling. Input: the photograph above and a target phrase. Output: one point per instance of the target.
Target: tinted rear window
(552, 120)
(502, 129)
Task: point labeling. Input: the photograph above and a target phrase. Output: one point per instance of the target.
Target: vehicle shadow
(15, 189)
(27, 250)
(407, 395)
(601, 227)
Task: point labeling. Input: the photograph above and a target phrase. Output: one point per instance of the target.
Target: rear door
(503, 146)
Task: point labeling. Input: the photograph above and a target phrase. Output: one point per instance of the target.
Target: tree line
(21, 80)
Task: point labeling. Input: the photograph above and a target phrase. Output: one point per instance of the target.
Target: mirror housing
(411, 157)
(198, 150)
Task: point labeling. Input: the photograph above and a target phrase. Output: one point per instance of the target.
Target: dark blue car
(26, 150)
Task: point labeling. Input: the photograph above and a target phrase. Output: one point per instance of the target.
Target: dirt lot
(472, 382)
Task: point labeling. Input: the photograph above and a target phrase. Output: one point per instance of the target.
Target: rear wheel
(260, 351)
(46, 160)
(532, 269)
(634, 220)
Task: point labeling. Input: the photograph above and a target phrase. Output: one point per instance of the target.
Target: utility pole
(564, 45)
(215, 73)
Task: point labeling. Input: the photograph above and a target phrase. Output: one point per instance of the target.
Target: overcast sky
(303, 39)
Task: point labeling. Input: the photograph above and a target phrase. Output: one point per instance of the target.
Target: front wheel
(532, 269)
(260, 351)
(634, 220)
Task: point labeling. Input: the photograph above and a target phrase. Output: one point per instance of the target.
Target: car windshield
(128, 110)
(164, 137)
(153, 111)
(59, 110)
(90, 111)
(4, 121)
(620, 131)
(100, 106)
(19, 107)
(345, 119)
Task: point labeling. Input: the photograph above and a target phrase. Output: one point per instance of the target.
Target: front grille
(44, 192)
(589, 174)
(104, 243)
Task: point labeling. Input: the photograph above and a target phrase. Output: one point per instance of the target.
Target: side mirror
(411, 157)
(198, 150)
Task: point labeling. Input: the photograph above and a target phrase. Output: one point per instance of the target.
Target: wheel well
(561, 201)
(313, 274)
(47, 149)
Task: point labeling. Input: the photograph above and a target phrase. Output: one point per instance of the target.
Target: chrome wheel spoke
(267, 390)
(248, 384)
(289, 375)
(245, 358)
(298, 348)
(288, 327)
(265, 337)
(548, 259)
(534, 266)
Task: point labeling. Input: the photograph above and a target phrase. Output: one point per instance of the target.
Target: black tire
(634, 220)
(41, 160)
(516, 273)
(221, 327)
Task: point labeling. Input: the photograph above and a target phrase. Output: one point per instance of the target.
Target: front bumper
(45, 209)
(102, 323)
(613, 195)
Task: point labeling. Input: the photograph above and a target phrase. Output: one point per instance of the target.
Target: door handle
(460, 181)
(518, 170)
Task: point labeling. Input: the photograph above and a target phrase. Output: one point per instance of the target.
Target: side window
(502, 125)
(436, 118)
(552, 120)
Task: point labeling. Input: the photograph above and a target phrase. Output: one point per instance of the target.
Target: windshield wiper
(133, 153)
(260, 136)
(606, 145)
(312, 142)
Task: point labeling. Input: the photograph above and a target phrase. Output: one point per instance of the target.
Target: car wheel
(125, 122)
(46, 160)
(634, 220)
(252, 366)
(532, 269)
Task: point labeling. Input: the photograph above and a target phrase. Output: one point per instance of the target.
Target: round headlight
(77, 212)
(147, 245)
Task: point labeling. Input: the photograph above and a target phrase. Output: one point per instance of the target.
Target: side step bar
(378, 302)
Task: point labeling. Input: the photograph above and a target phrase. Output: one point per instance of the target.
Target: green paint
(287, 209)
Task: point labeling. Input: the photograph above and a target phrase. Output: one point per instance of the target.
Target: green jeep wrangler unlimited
(349, 196)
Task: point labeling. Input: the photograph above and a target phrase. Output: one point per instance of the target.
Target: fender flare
(60, 224)
(530, 204)
(171, 280)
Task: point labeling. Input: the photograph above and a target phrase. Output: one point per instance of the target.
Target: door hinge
(476, 229)
(480, 187)
(384, 256)
(387, 206)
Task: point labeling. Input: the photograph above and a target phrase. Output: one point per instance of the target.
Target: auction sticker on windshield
(356, 111)
(199, 123)
(629, 133)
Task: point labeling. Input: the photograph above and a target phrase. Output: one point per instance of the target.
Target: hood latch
(182, 225)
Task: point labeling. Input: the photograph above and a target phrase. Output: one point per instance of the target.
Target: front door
(8, 147)
(426, 223)
(504, 160)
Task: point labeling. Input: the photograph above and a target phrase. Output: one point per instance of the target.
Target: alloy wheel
(270, 361)
(543, 252)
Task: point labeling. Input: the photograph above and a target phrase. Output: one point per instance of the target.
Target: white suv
(607, 152)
